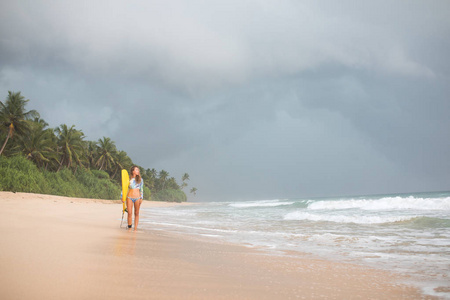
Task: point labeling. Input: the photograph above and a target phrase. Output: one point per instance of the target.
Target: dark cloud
(255, 99)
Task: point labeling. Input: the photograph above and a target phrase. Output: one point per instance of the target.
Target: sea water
(404, 233)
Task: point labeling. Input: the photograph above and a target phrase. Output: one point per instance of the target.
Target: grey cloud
(405, 118)
(199, 45)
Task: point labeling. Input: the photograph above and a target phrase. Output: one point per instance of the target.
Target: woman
(135, 196)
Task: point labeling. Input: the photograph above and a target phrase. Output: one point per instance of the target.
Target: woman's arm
(142, 189)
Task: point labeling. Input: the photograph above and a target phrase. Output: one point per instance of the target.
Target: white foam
(387, 203)
(176, 225)
(168, 212)
(210, 235)
(263, 203)
(357, 219)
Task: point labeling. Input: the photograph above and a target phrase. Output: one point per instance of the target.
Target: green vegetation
(20, 175)
(38, 159)
(170, 195)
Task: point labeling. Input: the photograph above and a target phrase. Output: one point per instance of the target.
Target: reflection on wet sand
(125, 244)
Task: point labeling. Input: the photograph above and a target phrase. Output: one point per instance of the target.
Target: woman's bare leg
(137, 207)
(130, 211)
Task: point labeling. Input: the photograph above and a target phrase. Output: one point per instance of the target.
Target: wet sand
(68, 248)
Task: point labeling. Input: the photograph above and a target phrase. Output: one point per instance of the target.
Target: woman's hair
(138, 177)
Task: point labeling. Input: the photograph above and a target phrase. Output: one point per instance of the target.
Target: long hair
(138, 177)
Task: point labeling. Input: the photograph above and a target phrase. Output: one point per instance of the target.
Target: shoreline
(72, 248)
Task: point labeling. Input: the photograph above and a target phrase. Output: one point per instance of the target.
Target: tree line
(65, 147)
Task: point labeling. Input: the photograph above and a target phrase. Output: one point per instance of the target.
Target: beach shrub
(170, 195)
(97, 184)
(17, 174)
(64, 183)
(147, 193)
(100, 174)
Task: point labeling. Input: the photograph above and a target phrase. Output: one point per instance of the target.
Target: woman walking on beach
(135, 196)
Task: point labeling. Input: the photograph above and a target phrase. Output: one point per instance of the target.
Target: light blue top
(134, 185)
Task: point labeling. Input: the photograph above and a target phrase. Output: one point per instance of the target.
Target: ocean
(407, 234)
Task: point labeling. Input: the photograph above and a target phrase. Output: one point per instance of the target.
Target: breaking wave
(387, 203)
(262, 203)
(358, 219)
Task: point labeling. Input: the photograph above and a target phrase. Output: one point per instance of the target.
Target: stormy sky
(254, 99)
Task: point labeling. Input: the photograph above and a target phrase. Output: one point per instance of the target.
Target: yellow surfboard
(125, 183)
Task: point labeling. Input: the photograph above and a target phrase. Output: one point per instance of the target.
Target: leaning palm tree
(13, 117)
(183, 179)
(70, 146)
(106, 152)
(194, 191)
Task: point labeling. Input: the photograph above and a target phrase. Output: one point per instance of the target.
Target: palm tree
(151, 173)
(106, 151)
(163, 177)
(194, 191)
(172, 184)
(13, 116)
(40, 122)
(90, 148)
(183, 179)
(38, 145)
(121, 161)
(70, 145)
(150, 178)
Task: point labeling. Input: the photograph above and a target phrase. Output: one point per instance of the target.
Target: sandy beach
(67, 248)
